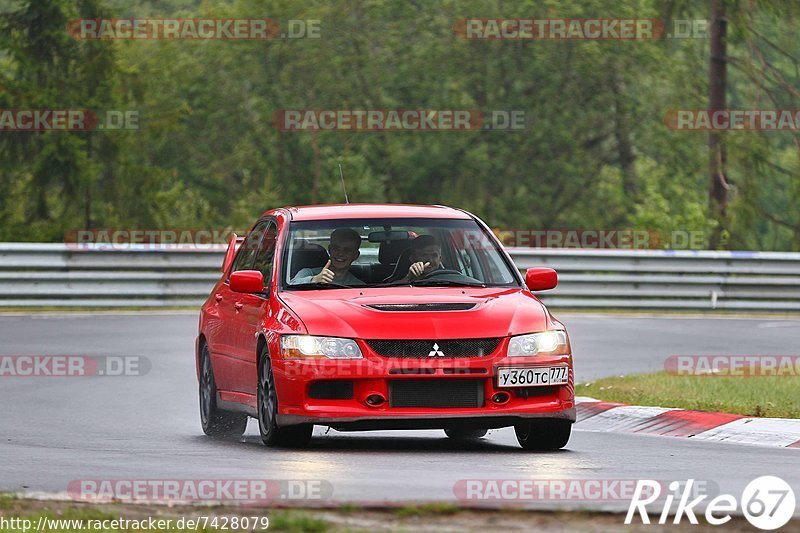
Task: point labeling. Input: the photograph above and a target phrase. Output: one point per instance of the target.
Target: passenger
(343, 250)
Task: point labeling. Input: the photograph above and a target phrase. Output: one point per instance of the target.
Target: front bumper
(374, 374)
(432, 421)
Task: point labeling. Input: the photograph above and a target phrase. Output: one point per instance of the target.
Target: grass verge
(768, 396)
(73, 518)
(349, 518)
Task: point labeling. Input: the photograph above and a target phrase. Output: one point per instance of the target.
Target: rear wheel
(271, 435)
(544, 434)
(465, 434)
(215, 422)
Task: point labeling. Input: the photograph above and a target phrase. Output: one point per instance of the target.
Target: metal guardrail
(666, 279)
(59, 275)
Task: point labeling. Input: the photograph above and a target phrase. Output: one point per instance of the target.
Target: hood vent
(423, 307)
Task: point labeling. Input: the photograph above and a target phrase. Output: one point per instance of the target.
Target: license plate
(536, 376)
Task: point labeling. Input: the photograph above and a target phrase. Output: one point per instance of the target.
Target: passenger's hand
(325, 276)
(417, 269)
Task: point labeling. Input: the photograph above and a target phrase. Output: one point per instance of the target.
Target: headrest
(390, 251)
(307, 255)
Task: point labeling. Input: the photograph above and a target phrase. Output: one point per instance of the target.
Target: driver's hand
(325, 276)
(417, 269)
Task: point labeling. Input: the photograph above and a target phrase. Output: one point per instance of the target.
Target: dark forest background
(595, 154)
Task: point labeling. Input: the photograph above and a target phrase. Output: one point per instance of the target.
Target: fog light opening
(375, 400)
(499, 398)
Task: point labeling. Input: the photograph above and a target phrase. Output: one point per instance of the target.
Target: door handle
(218, 297)
(238, 306)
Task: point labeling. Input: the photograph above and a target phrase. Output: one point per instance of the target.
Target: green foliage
(297, 522)
(427, 509)
(664, 206)
(595, 153)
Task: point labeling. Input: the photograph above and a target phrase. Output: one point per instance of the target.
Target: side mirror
(541, 279)
(248, 281)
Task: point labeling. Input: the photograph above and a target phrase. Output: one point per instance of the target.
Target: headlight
(553, 342)
(304, 346)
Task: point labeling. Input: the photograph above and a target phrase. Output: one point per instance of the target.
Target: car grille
(423, 349)
(423, 307)
(436, 393)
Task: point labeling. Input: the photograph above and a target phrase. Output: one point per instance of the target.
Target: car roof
(344, 211)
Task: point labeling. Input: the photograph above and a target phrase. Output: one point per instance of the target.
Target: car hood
(497, 312)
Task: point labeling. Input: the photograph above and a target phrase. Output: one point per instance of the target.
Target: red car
(364, 317)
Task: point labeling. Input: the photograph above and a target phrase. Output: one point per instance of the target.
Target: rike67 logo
(767, 502)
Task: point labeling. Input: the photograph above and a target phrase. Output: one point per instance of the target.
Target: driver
(343, 250)
(426, 256)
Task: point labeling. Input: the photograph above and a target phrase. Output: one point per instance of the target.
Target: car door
(224, 353)
(248, 311)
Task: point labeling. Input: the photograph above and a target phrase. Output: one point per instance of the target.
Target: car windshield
(336, 254)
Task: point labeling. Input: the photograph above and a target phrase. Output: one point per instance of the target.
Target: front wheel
(216, 422)
(546, 434)
(271, 435)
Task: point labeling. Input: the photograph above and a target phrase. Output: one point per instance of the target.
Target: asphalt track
(55, 430)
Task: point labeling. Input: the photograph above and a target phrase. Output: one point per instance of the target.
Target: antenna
(341, 175)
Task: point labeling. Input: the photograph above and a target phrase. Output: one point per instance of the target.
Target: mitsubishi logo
(436, 351)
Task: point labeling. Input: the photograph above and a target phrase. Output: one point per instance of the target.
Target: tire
(546, 434)
(465, 434)
(216, 422)
(271, 435)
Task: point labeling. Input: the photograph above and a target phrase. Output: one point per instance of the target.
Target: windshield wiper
(445, 283)
(316, 285)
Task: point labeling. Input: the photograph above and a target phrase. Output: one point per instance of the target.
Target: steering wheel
(440, 272)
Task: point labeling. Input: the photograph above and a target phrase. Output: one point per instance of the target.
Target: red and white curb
(594, 415)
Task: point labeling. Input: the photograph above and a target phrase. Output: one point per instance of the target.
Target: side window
(247, 253)
(266, 253)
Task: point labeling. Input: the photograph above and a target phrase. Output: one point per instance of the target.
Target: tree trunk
(317, 168)
(87, 201)
(718, 189)
(625, 153)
